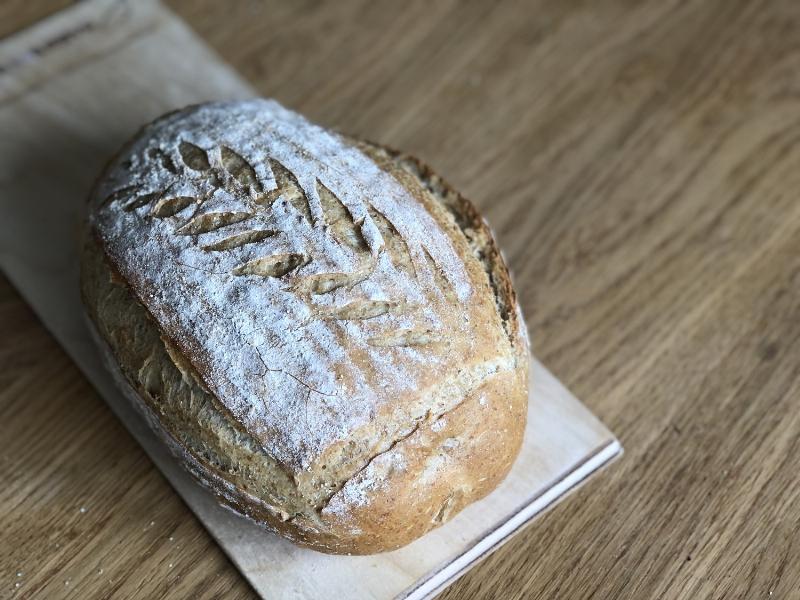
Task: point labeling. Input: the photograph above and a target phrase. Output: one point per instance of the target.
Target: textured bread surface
(322, 328)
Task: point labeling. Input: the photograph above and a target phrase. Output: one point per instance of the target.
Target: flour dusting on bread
(262, 347)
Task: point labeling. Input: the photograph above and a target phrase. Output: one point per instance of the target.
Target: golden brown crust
(428, 473)
(458, 459)
(470, 223)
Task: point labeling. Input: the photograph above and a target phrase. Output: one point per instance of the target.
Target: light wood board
(71, 90)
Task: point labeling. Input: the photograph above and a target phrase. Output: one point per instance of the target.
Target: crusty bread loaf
(323, 330)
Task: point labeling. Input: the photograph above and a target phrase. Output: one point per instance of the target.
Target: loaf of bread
(321, 328)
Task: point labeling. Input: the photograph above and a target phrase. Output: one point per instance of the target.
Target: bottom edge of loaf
(246, 505)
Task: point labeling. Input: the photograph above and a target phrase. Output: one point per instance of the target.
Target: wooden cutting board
(72, 89)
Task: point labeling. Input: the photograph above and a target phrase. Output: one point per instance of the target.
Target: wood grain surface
(644, 158)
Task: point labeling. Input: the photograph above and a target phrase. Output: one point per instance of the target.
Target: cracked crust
(390, 480)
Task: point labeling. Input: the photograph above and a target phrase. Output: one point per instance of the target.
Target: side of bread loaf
(412, 465)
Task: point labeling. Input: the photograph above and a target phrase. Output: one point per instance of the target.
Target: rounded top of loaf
(327, 301)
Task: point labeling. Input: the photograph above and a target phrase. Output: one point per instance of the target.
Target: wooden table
(645, 157)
